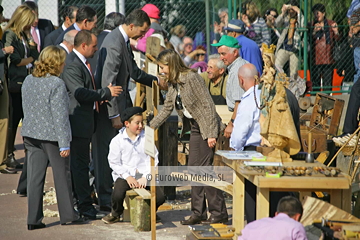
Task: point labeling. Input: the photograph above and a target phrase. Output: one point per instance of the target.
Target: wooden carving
(276, 122)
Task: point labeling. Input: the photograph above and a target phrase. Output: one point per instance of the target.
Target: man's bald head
(70, 36)
(246, 75)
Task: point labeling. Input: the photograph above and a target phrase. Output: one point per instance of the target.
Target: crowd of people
(84, 81)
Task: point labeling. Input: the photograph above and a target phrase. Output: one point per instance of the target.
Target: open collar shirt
(233, 89)
(246, 130)
(127, 157)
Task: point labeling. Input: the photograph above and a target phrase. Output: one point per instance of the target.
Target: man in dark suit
(69, 15)
(115, 66)
(102, 171)
(85, 20)
(41, 27)
(68, 42)
(111, 21)
(84, 98)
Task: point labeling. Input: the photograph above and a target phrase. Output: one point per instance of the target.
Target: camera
(178, 103)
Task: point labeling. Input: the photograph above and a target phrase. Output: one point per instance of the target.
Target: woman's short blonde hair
(21, 20)
(176, 65)
(50, 61)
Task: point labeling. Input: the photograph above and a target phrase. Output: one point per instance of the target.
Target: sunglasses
(200, 54)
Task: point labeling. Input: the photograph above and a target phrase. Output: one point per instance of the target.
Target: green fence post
(229, 9)
(207, 15)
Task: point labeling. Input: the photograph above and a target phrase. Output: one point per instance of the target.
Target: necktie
(93, 83)
(35, 37)
(128, 46)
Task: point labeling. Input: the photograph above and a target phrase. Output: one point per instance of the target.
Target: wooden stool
(137, 209)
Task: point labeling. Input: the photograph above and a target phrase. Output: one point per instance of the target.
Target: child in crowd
(129, 162)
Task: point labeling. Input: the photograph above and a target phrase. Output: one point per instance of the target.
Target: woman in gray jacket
(47, 136)
(188, 93)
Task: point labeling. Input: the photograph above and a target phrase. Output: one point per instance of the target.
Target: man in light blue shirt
(246, 132)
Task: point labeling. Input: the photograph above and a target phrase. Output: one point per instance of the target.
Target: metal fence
(193, 13)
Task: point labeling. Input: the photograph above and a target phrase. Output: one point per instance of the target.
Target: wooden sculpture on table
(276, 123)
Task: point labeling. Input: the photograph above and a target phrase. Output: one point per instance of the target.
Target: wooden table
(338, 188)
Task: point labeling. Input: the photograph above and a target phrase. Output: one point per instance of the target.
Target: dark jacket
(45, 27)
(17, 74)
(51, 37)
(82, 96)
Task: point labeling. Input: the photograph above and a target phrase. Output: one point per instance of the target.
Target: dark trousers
(351, 118)
(40, 154)
(201, 155)
(325, 71)
(100, 149)
(119, 193)
(79, 165)
(16, 114)
(22, 185)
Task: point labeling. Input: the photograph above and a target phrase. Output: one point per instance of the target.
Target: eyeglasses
(275, 16)
(200, 54)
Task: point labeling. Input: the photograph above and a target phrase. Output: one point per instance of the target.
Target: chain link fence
(326, 50)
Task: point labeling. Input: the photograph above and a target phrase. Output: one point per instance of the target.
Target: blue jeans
(357, 63)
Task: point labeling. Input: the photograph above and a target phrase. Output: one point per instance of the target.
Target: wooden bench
(137, 209)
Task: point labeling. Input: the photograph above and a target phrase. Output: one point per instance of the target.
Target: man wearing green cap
(228, 48)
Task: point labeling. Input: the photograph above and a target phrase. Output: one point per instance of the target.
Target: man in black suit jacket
(83, 100)
(68, 16)
(85, 20)
(41, 27)
(115, 66)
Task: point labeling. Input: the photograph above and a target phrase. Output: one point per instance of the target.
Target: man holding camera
(288, 45)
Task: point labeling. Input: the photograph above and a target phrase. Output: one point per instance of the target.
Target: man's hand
(115, 90)
(211, 142)
(9, 49)
(228, 130)
(116, 123)
(65, 153)
(132, 182)
(142, 182)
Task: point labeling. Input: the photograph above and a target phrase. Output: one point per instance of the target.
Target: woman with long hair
(191, 98)
(47, 135)
(17, 34)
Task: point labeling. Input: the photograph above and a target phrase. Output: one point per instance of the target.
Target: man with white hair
(228, 48)
(216, 78)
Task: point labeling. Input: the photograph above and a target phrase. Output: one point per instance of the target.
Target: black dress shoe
(22, 194)
(36, 226)
(11, 161)
(7, 171)
(92, 214)
(212, 220)
(80, 220)
(191, 221)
